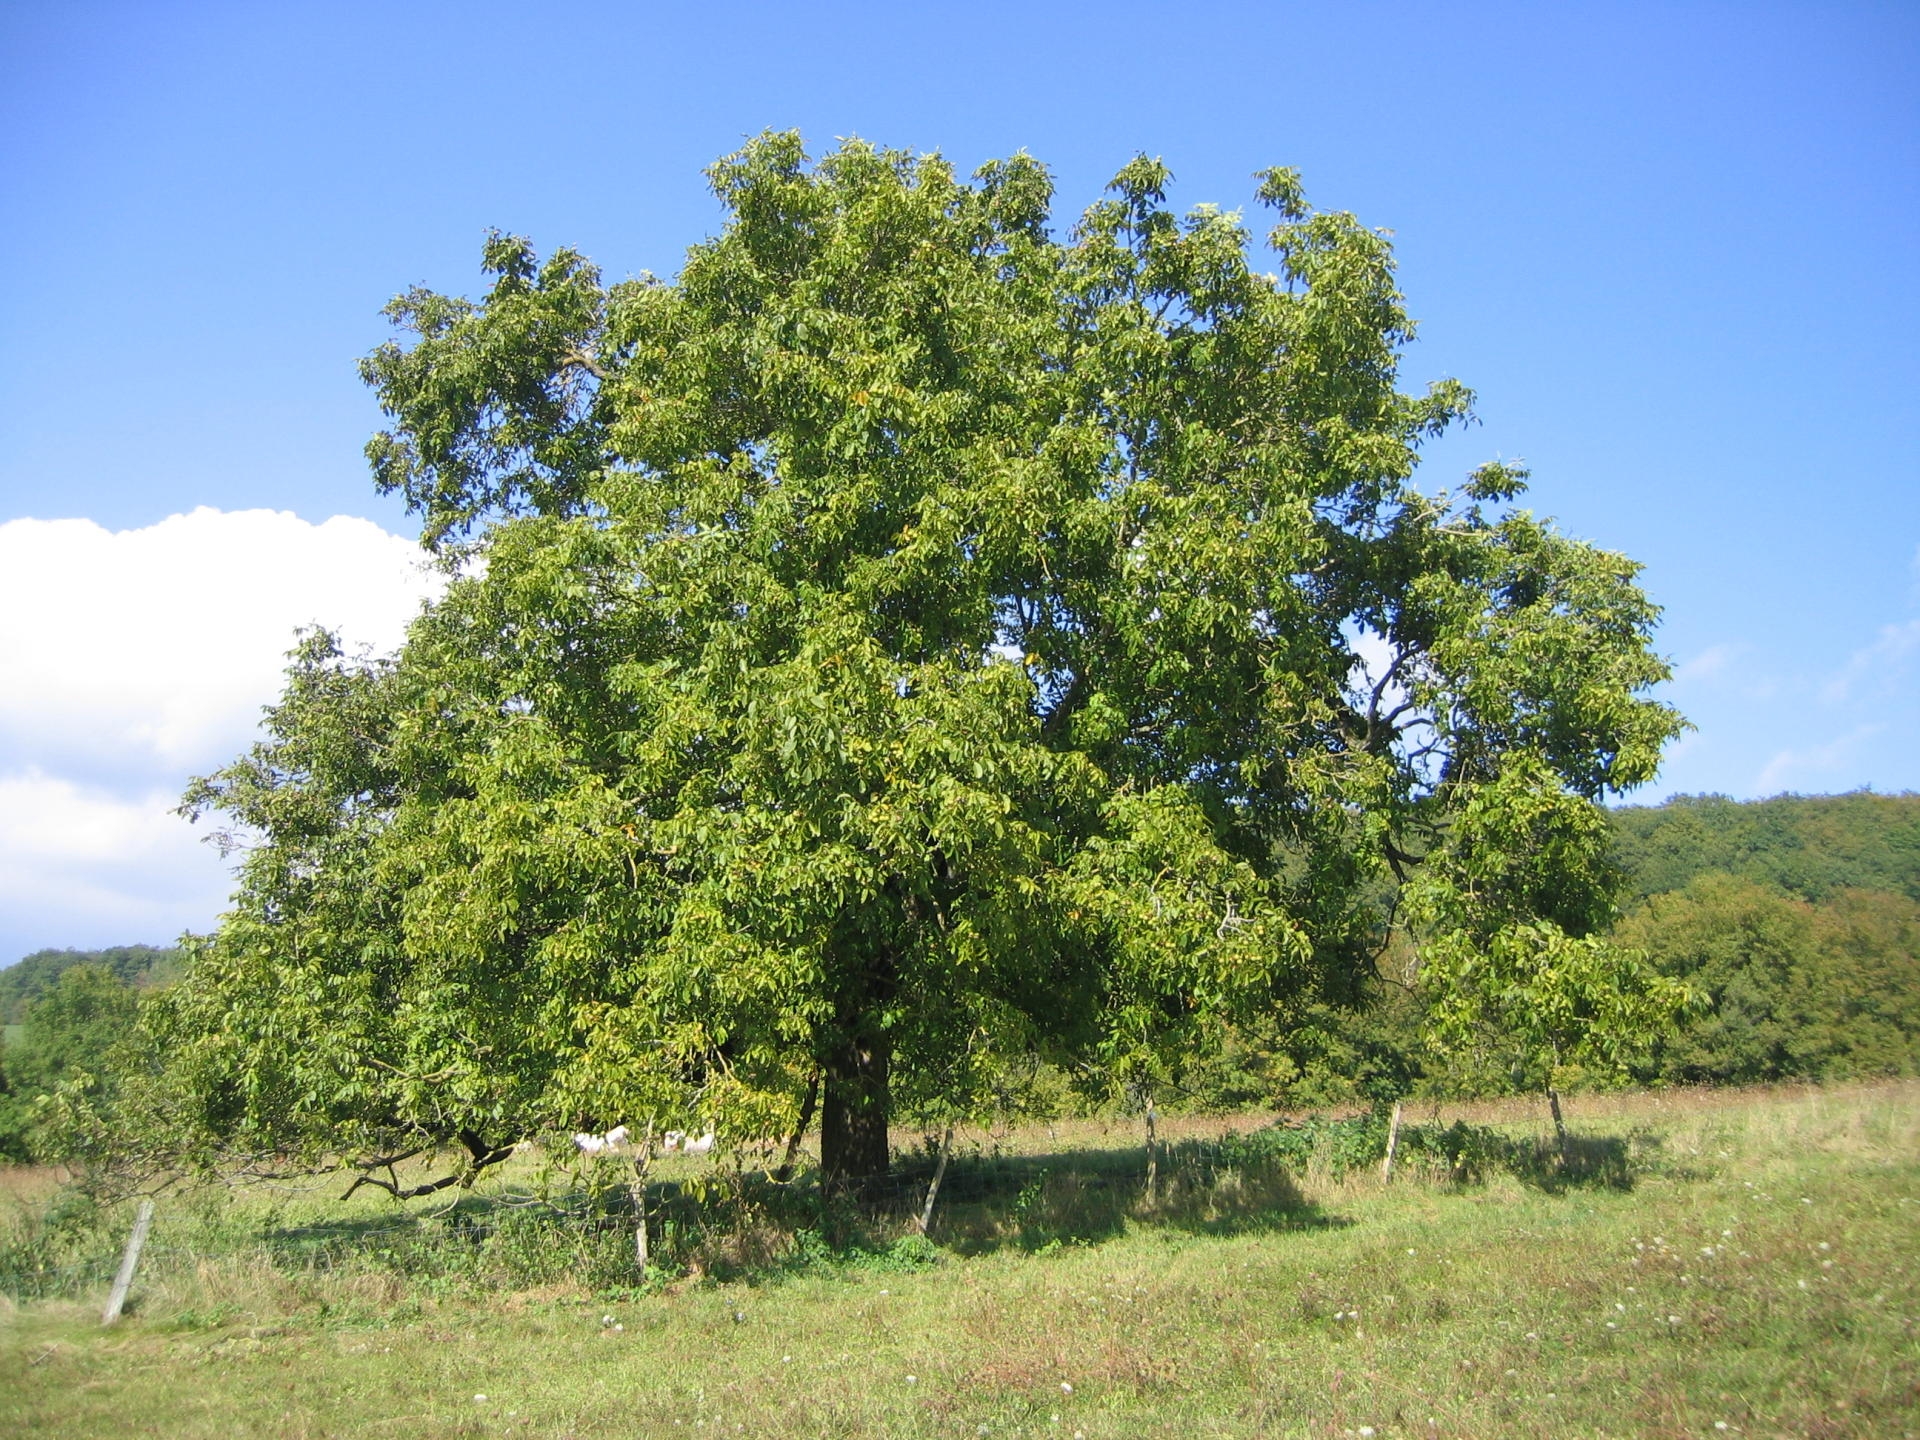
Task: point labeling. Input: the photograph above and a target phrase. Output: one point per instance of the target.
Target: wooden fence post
(1153, 1152)
(1393, 1140)
(123, 1282)
(939, 1174)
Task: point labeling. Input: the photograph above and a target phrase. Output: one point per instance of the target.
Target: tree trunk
(853, 1119)
(637, 1188)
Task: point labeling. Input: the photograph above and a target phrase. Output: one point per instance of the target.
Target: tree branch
(480, 1156)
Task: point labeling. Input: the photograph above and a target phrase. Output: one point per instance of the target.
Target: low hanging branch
(480, 1156)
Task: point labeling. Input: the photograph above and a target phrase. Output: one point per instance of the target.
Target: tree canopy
(906, 642)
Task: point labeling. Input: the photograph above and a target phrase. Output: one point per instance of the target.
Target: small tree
(1514, 967)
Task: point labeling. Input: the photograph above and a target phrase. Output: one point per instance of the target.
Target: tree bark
(853, 1118)
(1559, 1124)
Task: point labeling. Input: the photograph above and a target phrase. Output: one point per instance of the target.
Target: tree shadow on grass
(1596, 1162)
(743, 1225)
(1471, 1154)
(1085, 1197)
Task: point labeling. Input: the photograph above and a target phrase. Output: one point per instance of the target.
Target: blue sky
(1672, 246)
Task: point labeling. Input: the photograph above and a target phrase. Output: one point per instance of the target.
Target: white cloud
(132, 660)
(156, 647)
(82, 866)
(1709, 664)
(1875, 665)
(1812, 762)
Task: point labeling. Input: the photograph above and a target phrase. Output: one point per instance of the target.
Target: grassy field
(1740, 1264)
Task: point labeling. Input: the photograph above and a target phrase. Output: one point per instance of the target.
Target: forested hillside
(66, 1012)
(1798, 917)
(138, 966)
(1806, 846)
(1796, 920)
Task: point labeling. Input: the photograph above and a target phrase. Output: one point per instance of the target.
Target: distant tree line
(140, 967)
(1796, 920)
(1799, 919)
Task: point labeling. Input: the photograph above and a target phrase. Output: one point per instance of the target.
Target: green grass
(1751, 1263)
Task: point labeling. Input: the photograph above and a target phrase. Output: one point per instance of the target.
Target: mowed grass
(1757, 1278)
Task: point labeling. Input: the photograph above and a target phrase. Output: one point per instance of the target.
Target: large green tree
(909, 640)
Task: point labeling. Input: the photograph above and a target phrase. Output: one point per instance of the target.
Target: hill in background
(140, 966)
(1806, 846)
